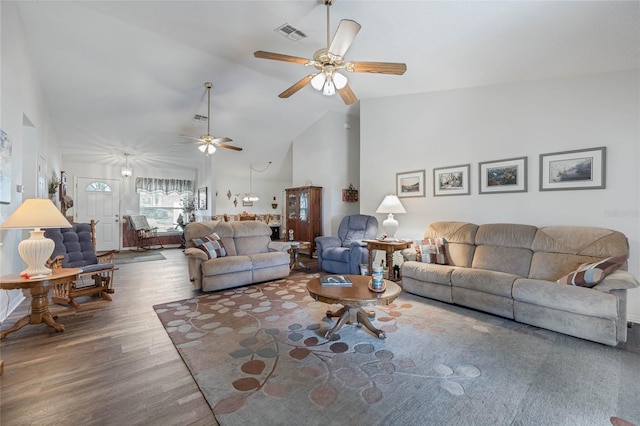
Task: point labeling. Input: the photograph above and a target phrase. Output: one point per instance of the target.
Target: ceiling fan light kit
(328, 61)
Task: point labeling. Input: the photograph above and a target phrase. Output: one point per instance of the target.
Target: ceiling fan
(208, 143)
(328, 61)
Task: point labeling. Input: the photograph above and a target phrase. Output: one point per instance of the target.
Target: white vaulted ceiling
(127, 76)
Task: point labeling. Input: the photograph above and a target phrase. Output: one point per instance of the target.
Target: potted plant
(54, 183)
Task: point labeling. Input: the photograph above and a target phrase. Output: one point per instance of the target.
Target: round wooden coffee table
(353, 299)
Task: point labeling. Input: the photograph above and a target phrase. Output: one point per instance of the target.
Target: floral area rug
(259, 356)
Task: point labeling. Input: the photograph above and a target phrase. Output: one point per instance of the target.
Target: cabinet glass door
(292, 205)
(304, 206)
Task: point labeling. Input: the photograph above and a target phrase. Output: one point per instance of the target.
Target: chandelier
(250, 196)
(126, 170)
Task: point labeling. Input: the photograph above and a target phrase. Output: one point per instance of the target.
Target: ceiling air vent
(290, 32)
(199, 117)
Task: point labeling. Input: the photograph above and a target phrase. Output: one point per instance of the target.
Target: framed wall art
(5, 167)
(410, 184)
(452, 180)
(202, 198)
(509, 175)
(579, 169)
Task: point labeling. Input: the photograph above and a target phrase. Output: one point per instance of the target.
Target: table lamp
(391, 204)
(36, 213)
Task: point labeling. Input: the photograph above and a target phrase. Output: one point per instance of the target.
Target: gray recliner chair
(344, 254)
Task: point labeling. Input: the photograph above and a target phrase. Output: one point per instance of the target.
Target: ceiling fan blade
(224, 145)
(347, 95)
(221, 140)
(297, 86)
(279, 57)
(346, 32)
(191, 137)
(395, 68)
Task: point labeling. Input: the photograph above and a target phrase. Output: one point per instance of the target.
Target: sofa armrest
(409, 254)
(279, 246)
(196, 253)
(619, 280)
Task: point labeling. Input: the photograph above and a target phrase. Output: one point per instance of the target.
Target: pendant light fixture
(126, 170)
(250, 196)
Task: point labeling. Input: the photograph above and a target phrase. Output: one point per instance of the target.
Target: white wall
(30, 129)
(327, 155)
(455, 127)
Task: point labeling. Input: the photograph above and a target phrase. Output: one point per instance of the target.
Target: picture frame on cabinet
(503, 176)
(453, 180)
(571, 170)
(410, 184)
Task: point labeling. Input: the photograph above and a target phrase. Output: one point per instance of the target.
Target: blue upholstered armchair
(344, 254)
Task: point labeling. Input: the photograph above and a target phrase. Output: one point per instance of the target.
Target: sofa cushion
(226, 265)
(493, 282)
(212, 245)
(590, 274)
(429, 272)
(268, 260)
(578, 300)
(460, 237)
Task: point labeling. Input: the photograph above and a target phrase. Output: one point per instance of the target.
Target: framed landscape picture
(579, 169)
(452, 180)
(500, 176)
(410, 184)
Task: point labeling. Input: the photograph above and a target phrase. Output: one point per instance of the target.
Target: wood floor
(113, 365)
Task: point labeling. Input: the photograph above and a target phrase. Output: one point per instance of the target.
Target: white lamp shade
(318, 81)
(36, 213)
(126, 171)
(339, 80)
(390, 205)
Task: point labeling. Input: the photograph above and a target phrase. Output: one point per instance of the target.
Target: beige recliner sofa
(251, 256)
(511, 270)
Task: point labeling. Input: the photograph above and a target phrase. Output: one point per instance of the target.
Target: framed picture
(410, 184)
(508, 175)
(452, 180)
(579, 169)
(202, 198)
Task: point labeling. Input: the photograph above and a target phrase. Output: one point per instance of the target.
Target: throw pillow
(432, 251)
(590, 274)
(211, 245)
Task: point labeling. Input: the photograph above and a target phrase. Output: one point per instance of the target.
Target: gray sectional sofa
(511, 270)
(251, 256)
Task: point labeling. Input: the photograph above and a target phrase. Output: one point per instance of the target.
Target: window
(98, 187)
(161, 200)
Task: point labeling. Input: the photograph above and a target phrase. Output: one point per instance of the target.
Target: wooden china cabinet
(304, 214)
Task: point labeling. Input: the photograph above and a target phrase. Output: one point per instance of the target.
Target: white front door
(99, 199)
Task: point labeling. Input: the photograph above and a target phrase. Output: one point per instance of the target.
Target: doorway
(99, 199)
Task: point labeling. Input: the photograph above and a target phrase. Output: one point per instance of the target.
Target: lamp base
(35, 252)
(390, 226)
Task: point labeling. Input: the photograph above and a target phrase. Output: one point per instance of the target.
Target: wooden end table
(388, 247)
(295, 254)
(39, 289)
(353, 299)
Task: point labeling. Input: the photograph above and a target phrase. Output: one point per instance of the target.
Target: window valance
(165, 186)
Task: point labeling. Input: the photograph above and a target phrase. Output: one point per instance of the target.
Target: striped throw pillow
(432, 251)
(590, 274)
(212, 245)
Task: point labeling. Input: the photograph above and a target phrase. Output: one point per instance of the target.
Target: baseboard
(14, 299)
(633, 318)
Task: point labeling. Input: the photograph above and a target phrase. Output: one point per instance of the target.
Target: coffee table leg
(362, 319)
(343, 313)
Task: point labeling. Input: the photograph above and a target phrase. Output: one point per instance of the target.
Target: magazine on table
(335, 281)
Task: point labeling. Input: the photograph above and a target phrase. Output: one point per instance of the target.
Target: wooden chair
(75, 247)
(146, 236)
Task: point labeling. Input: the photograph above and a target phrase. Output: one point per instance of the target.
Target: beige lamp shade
(391, 204)
(36, 213)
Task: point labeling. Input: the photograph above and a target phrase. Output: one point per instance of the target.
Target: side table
(295, 253)
(39, 289)
(389, 247)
